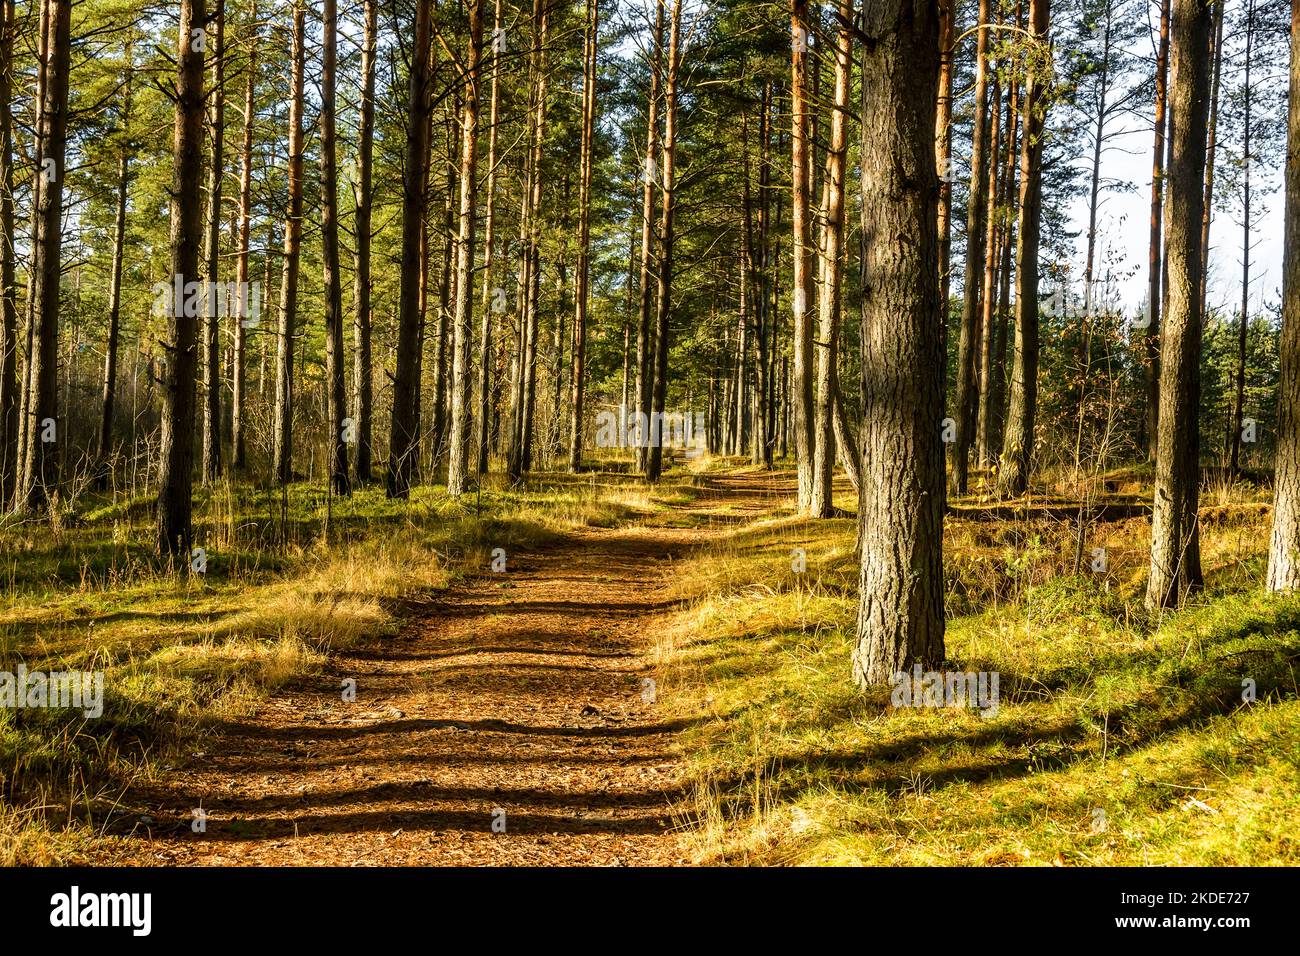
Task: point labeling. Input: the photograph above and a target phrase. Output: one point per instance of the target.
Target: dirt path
(519, 692)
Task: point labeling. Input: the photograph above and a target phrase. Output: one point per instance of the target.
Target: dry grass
(1121, 739)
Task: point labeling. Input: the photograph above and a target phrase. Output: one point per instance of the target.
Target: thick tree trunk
(282, 457)
(213, 301)
(1022, 404)
(44, 432)
(1175, 531)
(362, 371)
(336, 389)
(900, 614)
(1284, 548)
(663, 303)
(176, 454)
(461, 393)
(968, 348)
(832, 270)
(403, 435)
(582, 278)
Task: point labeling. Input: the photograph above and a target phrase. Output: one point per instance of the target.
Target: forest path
(518, 692)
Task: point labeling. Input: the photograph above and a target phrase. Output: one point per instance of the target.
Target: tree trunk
(977, 208)
(403, 434)
(177, 448)
(1175, 532)
(1239, 396)
(663, 304)
(362, 371)
(8, 292)
(832, 270)
(244, 320)
(644, 342)
(582, 278)
(490, 298)
(989, 277)
(519, 460)
(900, 612)
(461, 394)
(801, 292)
(844, 439)
(943, 157)
(213, 300)
(104, 447)
(1022, 405)
(24, 415)
(1284, 548)
(1155, 255)
(1211, 148)
(283, 450)
(40, 471)
(336, 390)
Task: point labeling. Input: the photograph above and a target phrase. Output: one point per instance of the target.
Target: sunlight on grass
(1119, 740)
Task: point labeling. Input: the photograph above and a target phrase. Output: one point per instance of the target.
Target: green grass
(291, 577)
(1120, 739)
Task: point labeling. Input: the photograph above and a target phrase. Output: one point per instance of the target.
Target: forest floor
(512, 721)
(659, 676)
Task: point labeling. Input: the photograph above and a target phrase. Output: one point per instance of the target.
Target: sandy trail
(515, 699)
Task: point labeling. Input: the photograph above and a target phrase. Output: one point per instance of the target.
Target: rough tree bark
(402, 441)
(900, 612)
(1175, 532)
